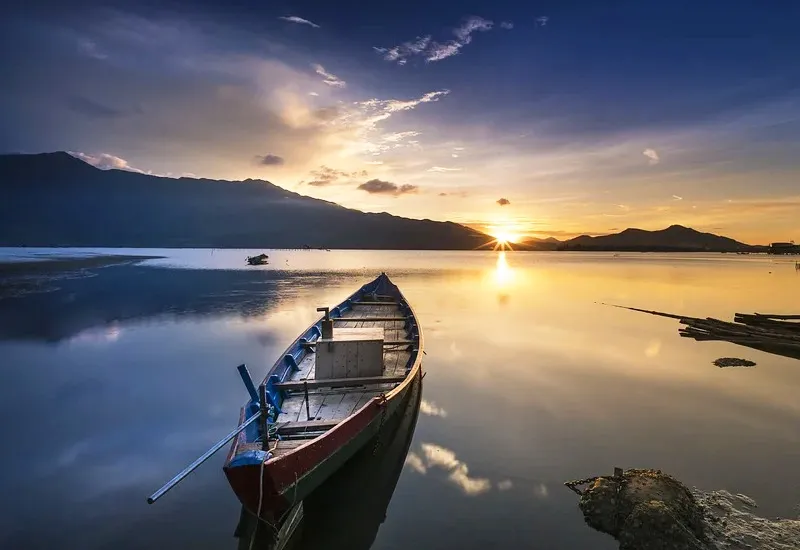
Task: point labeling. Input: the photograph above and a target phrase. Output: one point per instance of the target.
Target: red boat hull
(270, 488)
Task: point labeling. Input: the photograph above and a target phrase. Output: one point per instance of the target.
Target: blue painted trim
(291, 361)
(249, 458)
(248, 383)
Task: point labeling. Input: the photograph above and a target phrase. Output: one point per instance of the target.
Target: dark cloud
(442, 194)
(91, 108)
(381, 187)
(270, 160)
(503, 202)
(327, 176)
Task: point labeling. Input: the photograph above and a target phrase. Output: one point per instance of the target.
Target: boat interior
(309, 404)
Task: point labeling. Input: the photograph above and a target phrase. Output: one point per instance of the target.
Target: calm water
(121, 376)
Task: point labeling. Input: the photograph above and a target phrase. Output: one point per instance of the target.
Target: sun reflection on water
(503, 273)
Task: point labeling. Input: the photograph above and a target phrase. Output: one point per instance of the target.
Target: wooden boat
(347, 510)
(261, 259)
(310, 426)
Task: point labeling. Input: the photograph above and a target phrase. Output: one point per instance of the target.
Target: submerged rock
(651, 510)
(732, 525)
(645, 509)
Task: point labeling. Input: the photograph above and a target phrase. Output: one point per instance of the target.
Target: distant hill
(55, 199)
(673, 238)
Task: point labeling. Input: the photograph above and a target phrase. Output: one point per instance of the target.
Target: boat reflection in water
(349, 508)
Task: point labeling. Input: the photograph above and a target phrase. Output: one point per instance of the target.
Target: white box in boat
(351, 353)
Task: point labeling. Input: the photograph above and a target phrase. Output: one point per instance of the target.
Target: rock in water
(645, 510)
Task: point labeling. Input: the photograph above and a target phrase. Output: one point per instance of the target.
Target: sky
(554, 118)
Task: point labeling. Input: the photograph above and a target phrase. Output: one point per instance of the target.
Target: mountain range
(55, 199)
(675, 238)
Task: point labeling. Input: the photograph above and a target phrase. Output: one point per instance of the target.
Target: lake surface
(117, 377)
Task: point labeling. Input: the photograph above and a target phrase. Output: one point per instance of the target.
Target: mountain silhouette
(55, 199)
(673, 238)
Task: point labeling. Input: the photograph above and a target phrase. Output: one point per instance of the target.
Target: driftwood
(773, 333)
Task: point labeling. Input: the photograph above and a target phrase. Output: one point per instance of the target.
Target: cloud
(91, 108)
(313, 94)
(677, 198)
(542, 20)
(454, 155)
(381, 187)
(435, 51)
(400, 53)
(374, 162)
(503, 202)
(328, 78)
(326, 176)
(299, 21)
(105, 161)
(269, 160)
(652, 155)
(431, 409)
(89, 48)
(414, 461)
(458, 148)
(508, 25)
(443, 169)
(541, 490)
(440, 457)
(505, 485)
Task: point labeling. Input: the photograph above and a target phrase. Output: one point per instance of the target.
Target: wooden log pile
(779, 334)
(773, 333)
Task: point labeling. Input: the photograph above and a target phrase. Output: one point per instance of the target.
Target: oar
(205, 456)
(251, 389)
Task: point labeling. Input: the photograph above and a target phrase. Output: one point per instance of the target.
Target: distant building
(784, 248)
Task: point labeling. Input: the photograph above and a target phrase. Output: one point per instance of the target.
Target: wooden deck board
(339, 403)
(329, 405)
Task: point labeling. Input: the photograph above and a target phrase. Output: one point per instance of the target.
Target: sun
(503, 236)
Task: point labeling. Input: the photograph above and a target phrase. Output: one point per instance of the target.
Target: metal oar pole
(186, 471)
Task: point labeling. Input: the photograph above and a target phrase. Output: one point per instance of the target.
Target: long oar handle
(205, 456)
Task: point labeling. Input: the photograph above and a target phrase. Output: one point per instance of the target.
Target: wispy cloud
(508, 25)
(90, 49)
(431, 409)
(381, 187)
(677, 198)
(542, 20)
(443, 169)
(440, 457)
(505, 485)
(463, 34)
(652, 155)
(91, 108)
(298, 20)
(328, 78)
(401, 53)
(414, 461)
(105, 161)
(503, 202)
(436, 51)
(325, 175)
